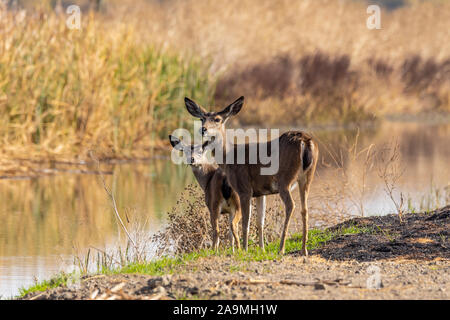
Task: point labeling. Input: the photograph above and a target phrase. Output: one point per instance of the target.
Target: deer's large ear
(193, 108)
(232, 109)
(176, 143)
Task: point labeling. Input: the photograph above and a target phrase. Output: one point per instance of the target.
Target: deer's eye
(217, 119)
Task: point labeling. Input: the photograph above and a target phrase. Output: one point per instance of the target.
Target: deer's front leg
(245, 200)
(214, 215)
(261, 212)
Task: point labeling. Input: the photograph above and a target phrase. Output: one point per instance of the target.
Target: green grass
(168, 265)
(56, 281)
(316, 238)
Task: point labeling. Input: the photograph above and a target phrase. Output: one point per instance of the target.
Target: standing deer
(219, 196)
(297, 158)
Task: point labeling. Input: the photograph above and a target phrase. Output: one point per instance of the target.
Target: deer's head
(213, 123)
(195, 153)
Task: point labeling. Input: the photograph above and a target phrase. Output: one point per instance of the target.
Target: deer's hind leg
(303, 186)
(289, 204)
(234, 219)
(214, 216)
(303, 189)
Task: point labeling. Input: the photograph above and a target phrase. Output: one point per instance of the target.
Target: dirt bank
(409, 260)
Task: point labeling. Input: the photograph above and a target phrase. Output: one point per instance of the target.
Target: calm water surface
(45, 221)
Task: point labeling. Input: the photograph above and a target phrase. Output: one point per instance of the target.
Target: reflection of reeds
(434, 199)
(355, 169)
(51, 215)
(112, 199)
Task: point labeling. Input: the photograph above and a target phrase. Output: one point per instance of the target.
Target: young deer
(219, 196)
(297, 159)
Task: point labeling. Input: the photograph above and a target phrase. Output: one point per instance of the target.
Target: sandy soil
(409, 260)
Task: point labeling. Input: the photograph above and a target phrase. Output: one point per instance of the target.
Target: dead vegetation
(320, 87)
(311, 61)
(188, 226)
(390, 171)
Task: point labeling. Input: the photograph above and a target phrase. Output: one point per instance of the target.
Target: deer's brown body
(220, 198)
(298, 156)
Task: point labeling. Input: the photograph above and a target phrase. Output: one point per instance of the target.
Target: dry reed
(116, 85)
(64, 92)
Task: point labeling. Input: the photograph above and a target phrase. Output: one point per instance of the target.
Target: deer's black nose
(203, 131)
(192, 160)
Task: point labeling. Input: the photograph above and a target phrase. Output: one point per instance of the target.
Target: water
(46, 220)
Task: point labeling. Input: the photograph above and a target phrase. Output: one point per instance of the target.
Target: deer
(297, 156)
(220, 198)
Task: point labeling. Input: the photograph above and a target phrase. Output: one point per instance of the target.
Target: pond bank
(409, 260)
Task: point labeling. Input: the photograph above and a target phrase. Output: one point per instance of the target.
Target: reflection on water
(424, 151)
(43, 219)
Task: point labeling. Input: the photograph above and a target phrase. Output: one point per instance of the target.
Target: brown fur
(247, 180)
(217, 204)
(211, 179)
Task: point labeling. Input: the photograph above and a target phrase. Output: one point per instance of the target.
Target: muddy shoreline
(408, 260)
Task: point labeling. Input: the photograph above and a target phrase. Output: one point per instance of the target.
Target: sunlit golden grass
(116, 86)
(237, 33)
(64, 92)
(311, 60)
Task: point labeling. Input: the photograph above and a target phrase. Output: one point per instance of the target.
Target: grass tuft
(58, 280)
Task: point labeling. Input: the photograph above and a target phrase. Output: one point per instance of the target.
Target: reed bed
(313, 61)
(64, 92)
(116, 86)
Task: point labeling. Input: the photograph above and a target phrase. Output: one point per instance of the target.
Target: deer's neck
(204, 174)
(225, 145)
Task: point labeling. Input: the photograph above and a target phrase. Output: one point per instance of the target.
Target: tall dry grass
(311, 60)
(64, 92)
(116, 85)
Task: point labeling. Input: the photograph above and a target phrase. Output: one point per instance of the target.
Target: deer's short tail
(308, 154)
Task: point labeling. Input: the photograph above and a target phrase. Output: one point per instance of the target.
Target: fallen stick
(118, 287)
(94, 277)
(292, 282)
(37, 296)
